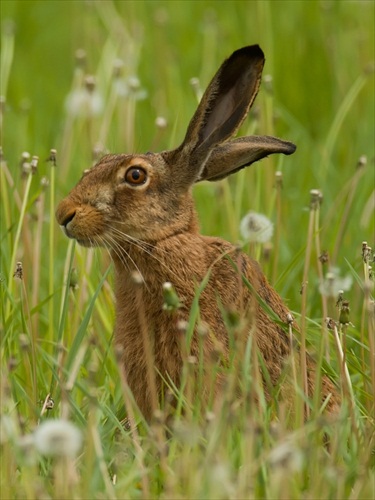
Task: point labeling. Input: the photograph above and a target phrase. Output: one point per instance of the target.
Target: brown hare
(141, 208)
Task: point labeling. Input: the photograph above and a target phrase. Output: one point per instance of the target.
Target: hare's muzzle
(81, 221)
(65, 214)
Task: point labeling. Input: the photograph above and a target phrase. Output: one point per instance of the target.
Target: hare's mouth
(82, 240)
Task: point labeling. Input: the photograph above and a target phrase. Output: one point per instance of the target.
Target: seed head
(52, 157)
(44, 182)
(256, 228)
(74, 282)
(194, 82)
(324, 257)
(85, 102)
(267, 81)
(286, 456)
(289, 319)
(24, 341)
(340, 298)
(362, 161)
(118, 66)
(80, 57)
(137, 278)
(18, 273)
(344, 313)
(161, 122)
(366, 252)
(331, 323)
(182, 326)
(90, 83)
(203, 329)
(192, 360)
(333, 283)
(34, 164)
(58, 438)
(316, 198)
(25, 163)
(171, 300)
(279, 179)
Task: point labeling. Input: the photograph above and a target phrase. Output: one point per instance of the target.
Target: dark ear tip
(289, 148)
(251, 51)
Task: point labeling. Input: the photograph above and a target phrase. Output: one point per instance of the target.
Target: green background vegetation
(320, 55)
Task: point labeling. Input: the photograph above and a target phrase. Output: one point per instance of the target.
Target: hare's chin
(83, 242)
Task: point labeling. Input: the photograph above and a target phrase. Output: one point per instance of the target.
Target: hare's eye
(136, 176)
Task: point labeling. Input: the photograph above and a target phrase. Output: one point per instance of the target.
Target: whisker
(141, 242)
(113, 245)
(141, 245)
(119, 251)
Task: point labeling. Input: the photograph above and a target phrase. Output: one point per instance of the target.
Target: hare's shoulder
(225, 255)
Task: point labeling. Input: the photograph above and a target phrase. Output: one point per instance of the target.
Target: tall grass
(119, 66)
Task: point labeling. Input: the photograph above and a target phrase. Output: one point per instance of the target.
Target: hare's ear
(221, 111)
(233, 155)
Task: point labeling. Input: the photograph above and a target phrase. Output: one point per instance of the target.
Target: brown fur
(152, 228)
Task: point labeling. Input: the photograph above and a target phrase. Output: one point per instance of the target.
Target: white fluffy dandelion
(84, 103)
(333, 283)
(286, 456)
(58, 438)
(130, 87)
(256, 228)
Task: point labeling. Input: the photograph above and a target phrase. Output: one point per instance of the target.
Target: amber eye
(136, 176)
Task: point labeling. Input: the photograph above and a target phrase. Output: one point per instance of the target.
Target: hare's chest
(141, 317)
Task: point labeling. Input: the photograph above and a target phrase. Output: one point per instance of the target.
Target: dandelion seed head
(286, 456)
(268, 81)
(58, 438)
(44, 182)
(137, 278)
(182, 326)
(167, 286)
(118, 65)
(362, 161)
(256, 228)
(161, 122)
(334, 284)
(130, 87)
(90, 83)
(84, 102)
(18, 273)
(80, 56)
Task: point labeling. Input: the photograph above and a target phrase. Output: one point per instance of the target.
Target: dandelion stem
(131, 419)
(17, 239)
(51, 286)
(321, 280)
(147, 347)
(36, 266)
(303, 363)
(345, 378)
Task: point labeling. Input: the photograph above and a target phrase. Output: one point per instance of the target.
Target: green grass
(56, 321)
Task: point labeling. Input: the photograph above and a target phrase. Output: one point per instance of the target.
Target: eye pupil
(136, 176)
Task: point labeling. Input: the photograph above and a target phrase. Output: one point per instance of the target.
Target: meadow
(82, 78)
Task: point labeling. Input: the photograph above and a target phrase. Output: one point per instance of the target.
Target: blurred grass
(56, 340)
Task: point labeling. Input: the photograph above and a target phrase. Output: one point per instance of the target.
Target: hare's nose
(67, 218)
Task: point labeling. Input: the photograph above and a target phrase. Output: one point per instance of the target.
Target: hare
(140, 207)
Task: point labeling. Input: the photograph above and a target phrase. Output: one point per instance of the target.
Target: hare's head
(148, 196)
